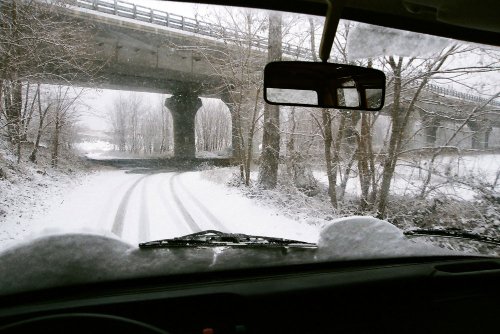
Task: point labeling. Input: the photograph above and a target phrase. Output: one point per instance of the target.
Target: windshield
(129, 122)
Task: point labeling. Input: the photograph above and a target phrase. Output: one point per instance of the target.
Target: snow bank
(26, 196)
(92, 146)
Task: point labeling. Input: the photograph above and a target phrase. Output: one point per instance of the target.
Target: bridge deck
(165, 19)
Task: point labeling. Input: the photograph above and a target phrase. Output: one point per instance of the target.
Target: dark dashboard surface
(426, 295)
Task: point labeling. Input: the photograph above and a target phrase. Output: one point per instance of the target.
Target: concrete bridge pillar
(431, 126)
(183, 107)
(487, 133)
(431, 134)
(480, 133)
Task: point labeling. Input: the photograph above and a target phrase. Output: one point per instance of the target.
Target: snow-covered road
(139, 207)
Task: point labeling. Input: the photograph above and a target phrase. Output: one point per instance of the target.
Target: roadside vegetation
(39, 122)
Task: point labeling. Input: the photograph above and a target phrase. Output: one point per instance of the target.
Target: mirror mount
(332, 20)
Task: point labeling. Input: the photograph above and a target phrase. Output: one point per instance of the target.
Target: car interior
(426, 294)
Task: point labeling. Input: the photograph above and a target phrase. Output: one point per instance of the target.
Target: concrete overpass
(438, 106)
(154, 51)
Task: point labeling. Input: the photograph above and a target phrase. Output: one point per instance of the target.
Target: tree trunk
(238, 141)
(347, 174)
(37, 141)
(17, 106)
(250, 139)
(268, 172)
(55, 139)
(27, 113)
(1, 99)
(331, 170)
(313, 39)
(13, 106)
(390, 160)
(290, 145)
(336, 156)
(41, 118)
(363, 162)
(487, 133)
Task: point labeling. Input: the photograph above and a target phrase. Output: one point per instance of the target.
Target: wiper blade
(453, 233)
(212, 238)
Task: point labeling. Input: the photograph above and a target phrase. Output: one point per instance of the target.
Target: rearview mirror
(325, 85)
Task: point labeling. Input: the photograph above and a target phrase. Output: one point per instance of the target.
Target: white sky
(180, 8)
(99, 102)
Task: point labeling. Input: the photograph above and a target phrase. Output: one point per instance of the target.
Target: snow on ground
(89, 207)
(29, 191)
(213, 155)
(286, 199)
(244, 215)
(139, 206)
(92, 234)
(410, 175)
(142, 205)
(317, 211)
(24, 201)
(96, 147)
(113, 154)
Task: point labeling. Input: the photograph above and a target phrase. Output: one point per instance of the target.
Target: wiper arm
(212, 238)
(453, 233)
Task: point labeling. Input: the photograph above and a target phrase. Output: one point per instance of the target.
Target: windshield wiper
(212, 238)
(452, 233)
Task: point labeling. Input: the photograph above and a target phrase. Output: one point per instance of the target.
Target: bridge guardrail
(463, 96)
(454, 93)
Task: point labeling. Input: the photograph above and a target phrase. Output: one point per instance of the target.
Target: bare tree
(354, 143)
(38, 43)
(139, 128)
(42, 114)
(213, 127)
(64, 114)
(237, 63)
(124, 118)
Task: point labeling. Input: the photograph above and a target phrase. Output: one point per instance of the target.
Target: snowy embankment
(29, 191)
(25, 198)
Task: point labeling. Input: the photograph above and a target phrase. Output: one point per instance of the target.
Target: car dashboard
(419, 295)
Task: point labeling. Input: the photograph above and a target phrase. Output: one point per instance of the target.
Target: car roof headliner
(468, 20)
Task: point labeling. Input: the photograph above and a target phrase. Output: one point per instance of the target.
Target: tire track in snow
(104, 216)
(185, 213)
(144, 214)
(122, 209)
(170, 210)
(213, 220)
